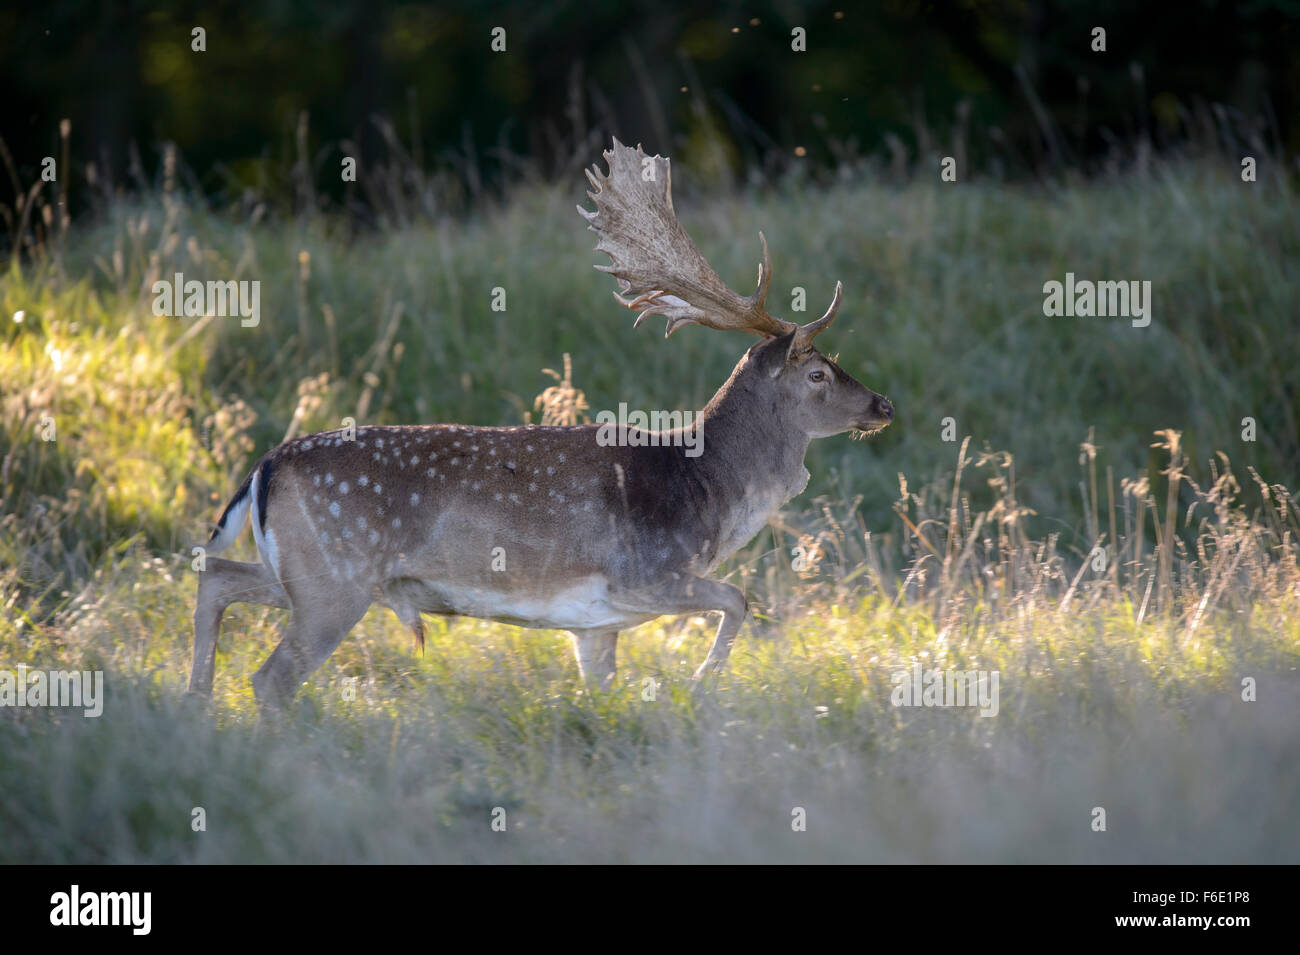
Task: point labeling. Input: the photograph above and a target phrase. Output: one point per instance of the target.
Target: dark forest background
(285, 85)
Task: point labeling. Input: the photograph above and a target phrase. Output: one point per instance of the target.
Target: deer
(544, 526)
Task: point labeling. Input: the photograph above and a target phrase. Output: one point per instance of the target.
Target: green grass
(1120, 688)
(1094, 711)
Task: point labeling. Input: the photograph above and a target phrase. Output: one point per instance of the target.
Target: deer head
(661, 272)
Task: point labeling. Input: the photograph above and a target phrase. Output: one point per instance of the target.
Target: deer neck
(752, 463)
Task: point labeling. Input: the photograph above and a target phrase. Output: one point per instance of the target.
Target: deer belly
(582, 604)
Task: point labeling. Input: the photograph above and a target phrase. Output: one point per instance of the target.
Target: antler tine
(810, 331)
(833, 309)
(659, 269)
(764, 273)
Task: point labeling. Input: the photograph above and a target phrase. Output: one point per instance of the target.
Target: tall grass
(392, 756)
(1099, 533)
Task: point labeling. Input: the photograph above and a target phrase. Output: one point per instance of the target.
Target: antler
(810, 331)
(658, 267)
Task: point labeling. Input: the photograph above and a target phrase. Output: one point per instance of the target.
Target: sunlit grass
(412, 766)
(1121, 687)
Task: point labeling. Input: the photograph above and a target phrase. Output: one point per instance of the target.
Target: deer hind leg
(319, 624)
(684, 593)
(222, 583)
(595, 652)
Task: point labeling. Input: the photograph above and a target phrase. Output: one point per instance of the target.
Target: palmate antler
(658, 267)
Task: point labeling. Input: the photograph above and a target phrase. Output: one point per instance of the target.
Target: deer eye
(817, 375)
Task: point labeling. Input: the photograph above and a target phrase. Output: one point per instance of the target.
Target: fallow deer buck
(596, 537)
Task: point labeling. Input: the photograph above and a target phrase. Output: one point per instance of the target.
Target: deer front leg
(685, 593)
(595, 652)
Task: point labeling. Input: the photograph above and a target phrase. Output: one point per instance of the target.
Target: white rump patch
(265, 540)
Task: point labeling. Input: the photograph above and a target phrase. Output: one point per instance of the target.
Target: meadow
(1097, 523)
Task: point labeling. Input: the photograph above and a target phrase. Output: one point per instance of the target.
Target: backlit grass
(1121, 685)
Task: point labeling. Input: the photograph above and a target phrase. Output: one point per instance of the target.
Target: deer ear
(772, 354)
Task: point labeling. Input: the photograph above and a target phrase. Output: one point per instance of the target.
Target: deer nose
(882, 408)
